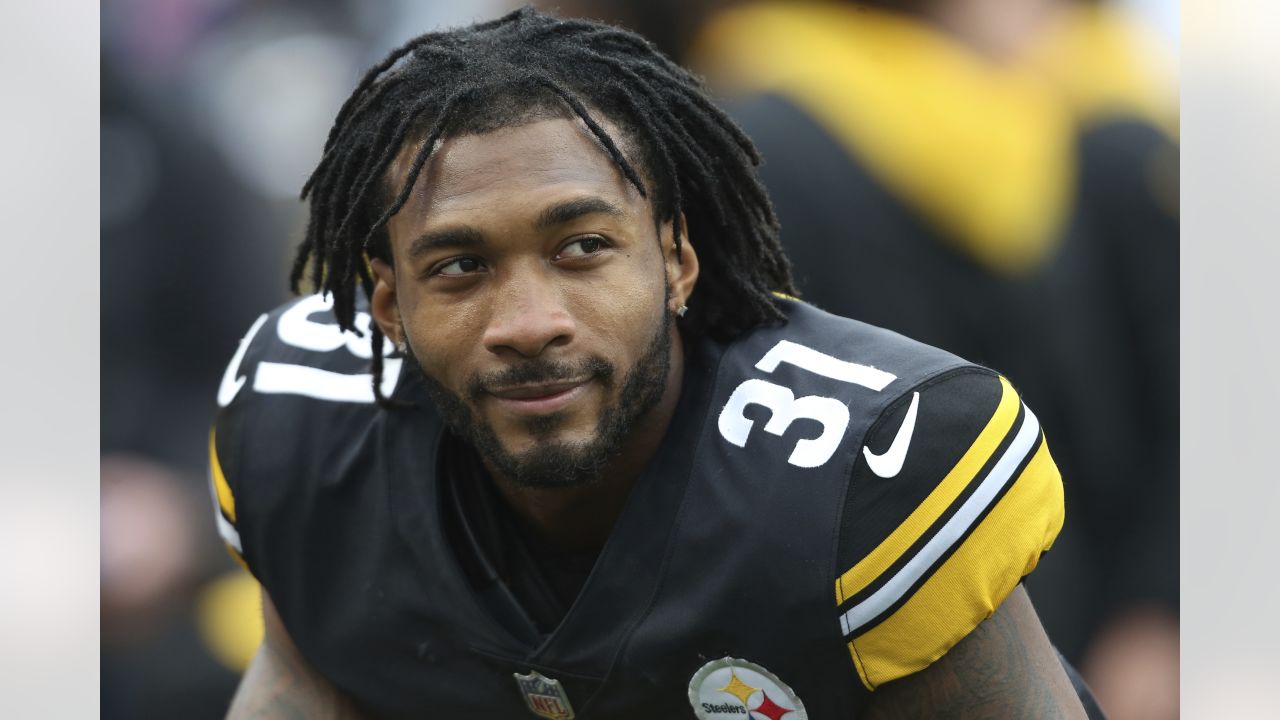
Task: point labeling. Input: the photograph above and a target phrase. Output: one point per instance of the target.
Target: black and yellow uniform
(1021, 214)
(832, 502)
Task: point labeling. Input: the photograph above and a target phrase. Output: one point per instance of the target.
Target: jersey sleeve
(953, 499)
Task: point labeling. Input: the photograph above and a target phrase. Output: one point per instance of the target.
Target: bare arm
(280, 685)
(1005, 668)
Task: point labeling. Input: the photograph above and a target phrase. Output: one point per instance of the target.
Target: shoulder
(296, 389)
(818, 367)
(951, 503)
(935, 473)
(304, 334)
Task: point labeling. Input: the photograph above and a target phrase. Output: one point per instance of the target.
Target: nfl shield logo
(544, 696)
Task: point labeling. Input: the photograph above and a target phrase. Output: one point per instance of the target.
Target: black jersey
(833, 507)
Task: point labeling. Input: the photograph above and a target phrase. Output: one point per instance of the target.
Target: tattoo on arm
(1005, 668)
(280, 685)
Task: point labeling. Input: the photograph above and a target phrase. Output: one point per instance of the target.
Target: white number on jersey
(296, 329)
(786, 408)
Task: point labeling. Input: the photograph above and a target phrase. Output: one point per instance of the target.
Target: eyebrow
(464, 237)
(455, 238)
(571, 210)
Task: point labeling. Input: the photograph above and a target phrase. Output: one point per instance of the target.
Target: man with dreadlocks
(528, 451)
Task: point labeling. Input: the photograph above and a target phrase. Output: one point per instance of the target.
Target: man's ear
(383, 305)
(682, 265)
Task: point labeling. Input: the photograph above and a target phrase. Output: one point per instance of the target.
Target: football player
(555, 437)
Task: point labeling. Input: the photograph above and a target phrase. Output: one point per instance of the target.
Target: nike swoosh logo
(889, 464)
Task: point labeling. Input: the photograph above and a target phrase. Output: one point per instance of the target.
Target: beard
(551, 463)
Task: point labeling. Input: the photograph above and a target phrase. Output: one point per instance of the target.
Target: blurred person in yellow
(555, 436)
(999, 178)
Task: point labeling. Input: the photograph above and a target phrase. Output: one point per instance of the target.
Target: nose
(528, 316)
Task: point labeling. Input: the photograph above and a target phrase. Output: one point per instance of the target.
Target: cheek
(443, 342)
(624, 312)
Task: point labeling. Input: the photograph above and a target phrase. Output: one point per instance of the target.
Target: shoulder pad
(817, 368)
(294, 380)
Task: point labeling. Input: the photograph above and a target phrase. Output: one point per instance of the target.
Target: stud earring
(402, 347)
(683, 309)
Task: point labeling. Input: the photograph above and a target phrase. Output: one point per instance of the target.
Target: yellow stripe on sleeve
(927, 513)
(226, 501)
(968, 587)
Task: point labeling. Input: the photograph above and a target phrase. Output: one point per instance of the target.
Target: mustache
(534, 372)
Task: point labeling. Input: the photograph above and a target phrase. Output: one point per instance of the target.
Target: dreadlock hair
(526, 66)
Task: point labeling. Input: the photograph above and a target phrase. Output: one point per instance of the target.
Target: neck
(581, 518)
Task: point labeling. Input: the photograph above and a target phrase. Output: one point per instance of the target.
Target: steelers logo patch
(735, 689)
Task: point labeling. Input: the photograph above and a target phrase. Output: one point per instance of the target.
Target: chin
(553, 464)
(567, 427)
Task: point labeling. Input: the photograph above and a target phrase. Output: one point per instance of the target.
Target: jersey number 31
(785, 408)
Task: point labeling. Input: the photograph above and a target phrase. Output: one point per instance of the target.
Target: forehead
(476, 177)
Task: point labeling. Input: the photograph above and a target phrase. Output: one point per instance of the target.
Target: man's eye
(583, 246)
(458, 266)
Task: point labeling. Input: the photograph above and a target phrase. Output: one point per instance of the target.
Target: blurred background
(995, 177)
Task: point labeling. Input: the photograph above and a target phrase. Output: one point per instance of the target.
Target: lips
(539, 398)
(536, 390)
